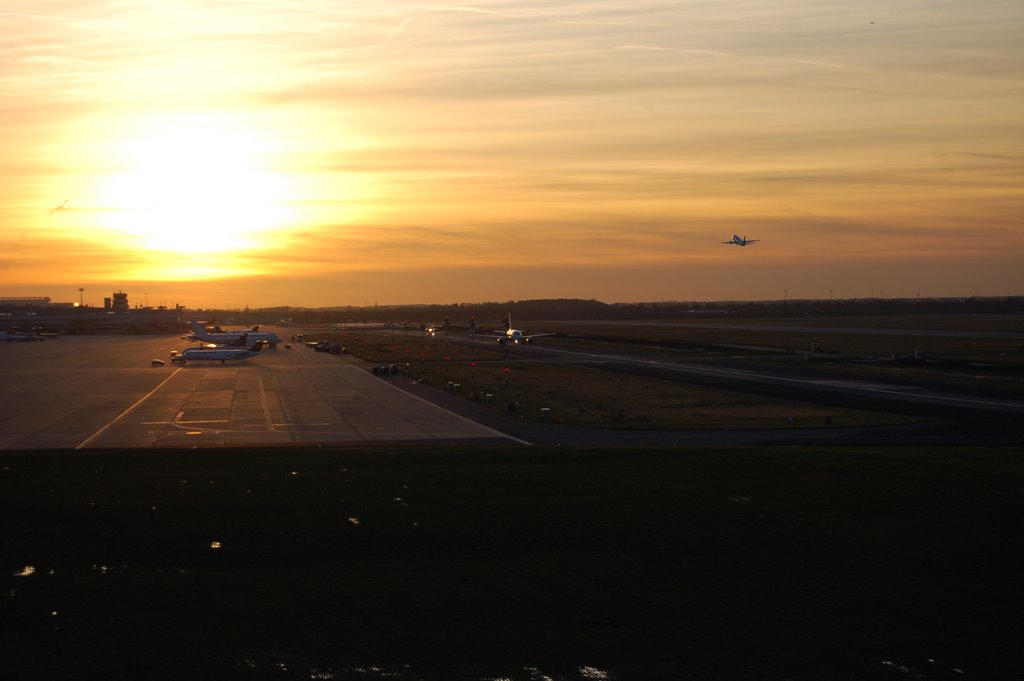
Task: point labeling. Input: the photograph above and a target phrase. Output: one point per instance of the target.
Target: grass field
(586, 396)
(513, 563)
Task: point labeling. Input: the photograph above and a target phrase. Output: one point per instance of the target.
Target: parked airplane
(230, 337)
(20, 336)
(738, 240)
(517, 336)
(219, 353)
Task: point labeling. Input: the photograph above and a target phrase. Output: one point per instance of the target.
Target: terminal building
(116, 316)
(41, 301)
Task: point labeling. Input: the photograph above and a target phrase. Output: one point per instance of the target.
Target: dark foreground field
(513, 564)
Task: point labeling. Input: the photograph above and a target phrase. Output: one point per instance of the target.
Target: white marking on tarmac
(306, 357)
(266, 407)
(459, 416)
(86, 441)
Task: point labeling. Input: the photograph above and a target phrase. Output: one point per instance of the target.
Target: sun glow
(195, 185)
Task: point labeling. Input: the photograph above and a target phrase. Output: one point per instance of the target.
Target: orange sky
(313, 153)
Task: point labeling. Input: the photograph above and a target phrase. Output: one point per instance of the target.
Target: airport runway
(955, 413)
(806, 385)
(844, 331)
(77, 392)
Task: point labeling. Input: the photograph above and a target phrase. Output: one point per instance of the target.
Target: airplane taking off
(738, 240)
(231, 337)
(517, 336)
(219, 353)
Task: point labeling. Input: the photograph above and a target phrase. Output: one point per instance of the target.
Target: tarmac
(78, 392)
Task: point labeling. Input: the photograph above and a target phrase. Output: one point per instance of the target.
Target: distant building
(115, 316)
(41, 301)
(121, 303)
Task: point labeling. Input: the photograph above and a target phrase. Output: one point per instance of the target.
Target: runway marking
(306, 357)
(459, 416)
(86, 441)
(266, 407)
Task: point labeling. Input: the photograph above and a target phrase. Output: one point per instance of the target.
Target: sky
(316, 153)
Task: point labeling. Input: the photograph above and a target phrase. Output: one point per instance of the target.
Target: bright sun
(195, 185)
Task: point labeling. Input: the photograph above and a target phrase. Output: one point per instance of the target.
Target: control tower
(120, 305)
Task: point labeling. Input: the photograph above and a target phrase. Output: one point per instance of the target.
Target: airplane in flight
(231, 337)
(517, 336)
(738, 240)
(224, 353)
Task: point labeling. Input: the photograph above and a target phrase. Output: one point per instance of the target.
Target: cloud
(400, 28)
(500, 136)
(55, 61)
(43, 17)
(655, 48)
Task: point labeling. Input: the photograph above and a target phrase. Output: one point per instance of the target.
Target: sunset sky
(313, 153)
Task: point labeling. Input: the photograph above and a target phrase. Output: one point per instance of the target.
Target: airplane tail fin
(198, 331)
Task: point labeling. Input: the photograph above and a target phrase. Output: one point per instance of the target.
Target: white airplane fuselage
(19, 336)
(232, 337)
(217, 354)
(515, 337)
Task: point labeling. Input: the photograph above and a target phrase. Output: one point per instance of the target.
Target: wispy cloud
(681, 50)
(43, 17)
(499, 135)
(51, 60)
